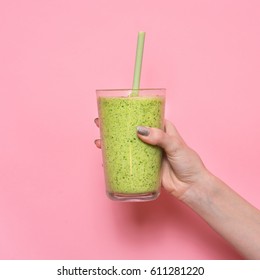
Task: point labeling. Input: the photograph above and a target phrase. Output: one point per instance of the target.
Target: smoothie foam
(131, 166)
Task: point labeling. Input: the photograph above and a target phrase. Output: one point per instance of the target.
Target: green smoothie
(132, 168)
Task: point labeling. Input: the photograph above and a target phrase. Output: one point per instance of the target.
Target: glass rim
(130, 89)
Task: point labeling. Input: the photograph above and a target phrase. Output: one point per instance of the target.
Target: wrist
(201, 192)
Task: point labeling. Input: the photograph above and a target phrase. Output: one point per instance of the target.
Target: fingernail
(142, 130)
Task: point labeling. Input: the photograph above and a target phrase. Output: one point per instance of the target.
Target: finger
(96, 120)
(98, 143)
(170, 140)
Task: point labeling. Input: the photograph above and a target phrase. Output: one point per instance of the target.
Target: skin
(185, 177)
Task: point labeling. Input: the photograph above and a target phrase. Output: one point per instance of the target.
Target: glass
(132, 168)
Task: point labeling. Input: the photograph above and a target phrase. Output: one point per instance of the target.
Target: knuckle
(157, 136)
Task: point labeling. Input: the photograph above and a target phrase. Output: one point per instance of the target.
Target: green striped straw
(138, 63)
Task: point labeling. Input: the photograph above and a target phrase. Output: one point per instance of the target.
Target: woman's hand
(182, 168)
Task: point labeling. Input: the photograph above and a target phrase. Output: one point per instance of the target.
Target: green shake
(132, 168)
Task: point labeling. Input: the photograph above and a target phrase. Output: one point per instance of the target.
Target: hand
(182, 168)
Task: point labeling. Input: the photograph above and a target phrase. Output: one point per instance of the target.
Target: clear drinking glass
(132, 168)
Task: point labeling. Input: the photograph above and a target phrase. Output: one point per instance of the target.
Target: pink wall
(54, 54)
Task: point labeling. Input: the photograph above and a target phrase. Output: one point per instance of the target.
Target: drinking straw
(138, 63)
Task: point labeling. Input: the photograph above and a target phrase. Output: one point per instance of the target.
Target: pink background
(54, 54)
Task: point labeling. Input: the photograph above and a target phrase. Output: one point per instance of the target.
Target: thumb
(169, 140)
